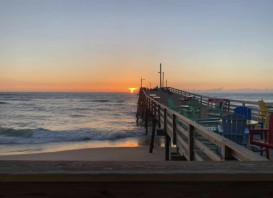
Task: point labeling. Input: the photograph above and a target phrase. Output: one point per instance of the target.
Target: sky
(109, 45)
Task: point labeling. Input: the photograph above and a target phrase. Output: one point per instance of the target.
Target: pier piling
(153, 135)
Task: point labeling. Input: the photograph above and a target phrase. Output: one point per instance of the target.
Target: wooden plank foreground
(135, 179)
(185, 171)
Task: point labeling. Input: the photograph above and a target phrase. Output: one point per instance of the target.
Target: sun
(132, 90)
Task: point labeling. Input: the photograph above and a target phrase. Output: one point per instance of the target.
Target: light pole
(160, 82)
(141, 82)
(163, 80)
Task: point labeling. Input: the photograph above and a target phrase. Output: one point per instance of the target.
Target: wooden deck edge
(198, 177)
(172, 171)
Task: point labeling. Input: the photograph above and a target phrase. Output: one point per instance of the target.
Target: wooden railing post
(155, 109)
(152, 107)
(229, 106)
(153, 136)
(174, 129)
(167, 138)
(146, 121)
(159, 116)
(226, 152)
(191, 143)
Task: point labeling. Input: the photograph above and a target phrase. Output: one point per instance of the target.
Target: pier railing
(230, 104)
(193, 141)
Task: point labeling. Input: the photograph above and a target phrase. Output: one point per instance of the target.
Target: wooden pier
(192, 140)
(233, 171)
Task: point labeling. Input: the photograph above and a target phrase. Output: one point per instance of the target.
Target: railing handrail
(232, 103)
(228, 148)
(231, 100)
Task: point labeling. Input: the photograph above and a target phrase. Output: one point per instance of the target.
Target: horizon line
(64, 91)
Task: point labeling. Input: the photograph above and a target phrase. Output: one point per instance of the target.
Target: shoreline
(125, 149)
(94, 154)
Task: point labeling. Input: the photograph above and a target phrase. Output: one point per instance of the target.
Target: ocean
(33, 122)
(267, 97)
(43, 122)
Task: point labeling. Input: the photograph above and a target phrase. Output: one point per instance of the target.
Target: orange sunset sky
(103, 45)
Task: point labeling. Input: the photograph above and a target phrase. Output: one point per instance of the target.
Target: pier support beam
(146, 122)
(174, 129)
(167, 147)
(167, 138)
(153, 135)
(137, 116)
(159, 117)
(191, 144)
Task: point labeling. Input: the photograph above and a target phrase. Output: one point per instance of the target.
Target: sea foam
(40, 135)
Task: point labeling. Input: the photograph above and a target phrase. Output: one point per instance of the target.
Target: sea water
(42, 122)
(267, 97)
(42, 119)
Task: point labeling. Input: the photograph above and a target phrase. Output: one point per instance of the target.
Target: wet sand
(95, 154)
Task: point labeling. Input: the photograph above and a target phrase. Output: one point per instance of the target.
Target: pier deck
(193, 141)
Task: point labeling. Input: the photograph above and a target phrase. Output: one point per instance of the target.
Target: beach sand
(126, 149)
(95, 154)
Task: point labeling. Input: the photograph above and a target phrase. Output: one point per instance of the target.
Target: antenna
(160, 82)
(141, 82)
(163, 80)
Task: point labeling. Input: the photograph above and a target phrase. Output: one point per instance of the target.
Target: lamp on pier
(141, 82)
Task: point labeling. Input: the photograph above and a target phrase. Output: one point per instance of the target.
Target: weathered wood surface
(135, 179)
(139, 189)
(175, 171)
(190, 130)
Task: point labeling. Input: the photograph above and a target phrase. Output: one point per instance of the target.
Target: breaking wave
(40, 135)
